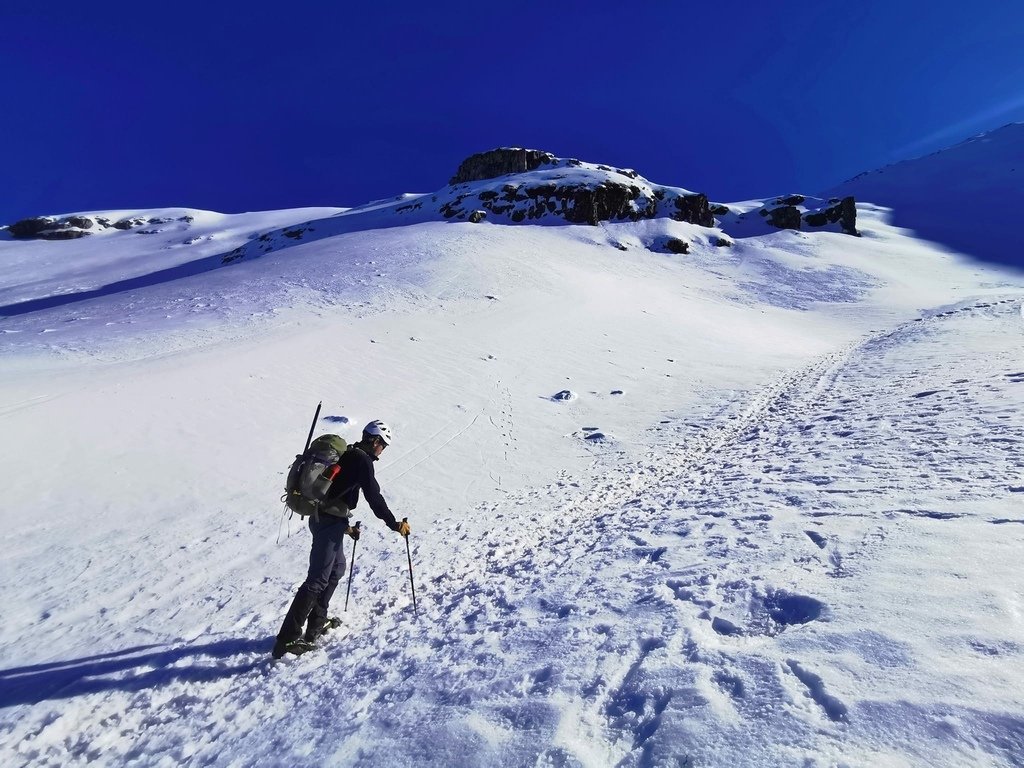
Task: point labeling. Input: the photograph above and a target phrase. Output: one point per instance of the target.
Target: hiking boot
(314, 633)
(332, 623)
(295, 647)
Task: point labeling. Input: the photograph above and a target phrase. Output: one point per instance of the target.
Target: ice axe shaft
(412, 583)
(352, 566)
(313, 425)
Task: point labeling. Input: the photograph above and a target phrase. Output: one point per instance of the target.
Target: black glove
(353, 531)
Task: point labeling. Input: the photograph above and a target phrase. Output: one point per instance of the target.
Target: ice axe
(412, 583)
(313, 425)
(352, 565)
(309, 437)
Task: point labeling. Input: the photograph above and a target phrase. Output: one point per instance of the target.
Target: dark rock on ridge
(129, 223)
(842, 211)
(72, 227)
(694, 209)
(616, 198)
(47, 228)
(675, 245)
(786, 214)
(790, 200)
(63, 234)
(783, 217)
(30, 227)
(605, 202)
(576, 203)
(499, 162)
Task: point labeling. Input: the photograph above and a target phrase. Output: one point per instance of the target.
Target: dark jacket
(357, 475)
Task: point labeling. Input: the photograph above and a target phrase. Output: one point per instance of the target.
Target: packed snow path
(766, 582)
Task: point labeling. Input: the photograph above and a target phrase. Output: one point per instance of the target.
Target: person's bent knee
(314, 586)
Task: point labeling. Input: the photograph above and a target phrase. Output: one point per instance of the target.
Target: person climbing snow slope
(329, 527)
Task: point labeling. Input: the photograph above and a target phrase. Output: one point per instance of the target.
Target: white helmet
(378, 428)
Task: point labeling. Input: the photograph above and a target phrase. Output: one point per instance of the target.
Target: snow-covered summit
(511, 186)
(531, 185)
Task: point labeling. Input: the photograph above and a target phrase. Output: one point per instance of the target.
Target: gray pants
(326, 567)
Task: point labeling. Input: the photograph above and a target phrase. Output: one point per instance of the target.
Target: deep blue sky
(239, 106)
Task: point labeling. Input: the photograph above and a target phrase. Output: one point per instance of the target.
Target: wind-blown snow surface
(778, 524)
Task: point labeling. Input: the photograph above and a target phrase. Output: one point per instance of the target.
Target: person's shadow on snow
(131, 669)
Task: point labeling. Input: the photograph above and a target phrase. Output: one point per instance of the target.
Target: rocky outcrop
(578, 203)
(29, 227)
(675, 245)
(581, 204)
(541, 185)
(500, 162)
(794, 212)
(783, 216)
(47, 228)
(842, 211)
(694, 209)
(71, 227)
(138, 221)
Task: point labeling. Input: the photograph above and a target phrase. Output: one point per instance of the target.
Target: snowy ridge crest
(527, 184)
(524, 186)
(509, 186)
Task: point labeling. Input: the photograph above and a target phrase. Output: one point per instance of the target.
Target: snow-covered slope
(775, 522)
(114, 252)
(967, 197)
(120, 251)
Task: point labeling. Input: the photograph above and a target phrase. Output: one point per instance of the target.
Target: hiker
(329, 527)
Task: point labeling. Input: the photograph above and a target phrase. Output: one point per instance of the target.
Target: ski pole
(411, 582)
(352, 566)
(313, 425)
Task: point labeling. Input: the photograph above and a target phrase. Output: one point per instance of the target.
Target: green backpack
(311, 474)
